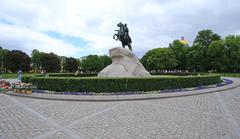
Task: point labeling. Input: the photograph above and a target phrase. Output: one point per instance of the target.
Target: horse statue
(123, 35)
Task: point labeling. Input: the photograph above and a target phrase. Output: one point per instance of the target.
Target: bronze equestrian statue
(123, 35)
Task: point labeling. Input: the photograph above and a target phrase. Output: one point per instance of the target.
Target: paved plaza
(208, 116)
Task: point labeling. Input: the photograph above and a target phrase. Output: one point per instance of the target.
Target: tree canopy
(206, 37)
(50, 62)
(17, 60)
(179, 51)
(94, 63)
(70, 65)
(159, 59)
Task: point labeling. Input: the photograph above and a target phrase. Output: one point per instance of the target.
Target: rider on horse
(123, 35)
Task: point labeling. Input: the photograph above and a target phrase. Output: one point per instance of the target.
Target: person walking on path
(20, 75)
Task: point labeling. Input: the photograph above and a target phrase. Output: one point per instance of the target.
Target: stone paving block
(208, 116)
(205, 103)
(25, 100)
(58, 135)
(148, 121)
(4, 101)
(64, 112)
(15, 122)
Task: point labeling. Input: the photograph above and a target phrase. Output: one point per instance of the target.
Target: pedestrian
(19, 73)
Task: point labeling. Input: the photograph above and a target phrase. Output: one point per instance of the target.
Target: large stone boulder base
(124, 64)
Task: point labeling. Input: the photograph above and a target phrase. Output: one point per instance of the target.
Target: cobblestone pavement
(208, 116)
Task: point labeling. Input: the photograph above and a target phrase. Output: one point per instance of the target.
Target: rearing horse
(123, 36)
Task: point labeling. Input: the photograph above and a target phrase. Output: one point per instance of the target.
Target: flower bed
(4, 85)
(25, 88)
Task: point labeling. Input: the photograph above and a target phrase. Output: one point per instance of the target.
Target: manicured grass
(236, 75)
(230, 74)
(9, 76)
(14, 75)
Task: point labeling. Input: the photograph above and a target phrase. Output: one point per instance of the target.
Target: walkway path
(207, 116)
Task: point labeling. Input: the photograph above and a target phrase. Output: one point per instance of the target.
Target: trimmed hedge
(95, 84)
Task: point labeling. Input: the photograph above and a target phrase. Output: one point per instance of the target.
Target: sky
(76, 28)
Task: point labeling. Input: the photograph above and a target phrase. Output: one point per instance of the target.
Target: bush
(95, 84)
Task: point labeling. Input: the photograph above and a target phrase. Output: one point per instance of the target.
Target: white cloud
(152, 23)
(24, 39)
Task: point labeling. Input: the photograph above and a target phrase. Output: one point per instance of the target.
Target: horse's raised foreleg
(115, 37)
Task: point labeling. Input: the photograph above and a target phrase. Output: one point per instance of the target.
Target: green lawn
(230, 74)
(9, 76)
(14, 75)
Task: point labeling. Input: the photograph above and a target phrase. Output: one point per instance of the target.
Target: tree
(3, 59)
(179, 51)
(94, 63)
(36, 59)
(50, 62)
(105, 61)
(70, 65)
(17, 60)
(194, 58)
(62, 61)
(217, 56)
(205, 38)
(159, 59)
(91, 63)
(233, 52)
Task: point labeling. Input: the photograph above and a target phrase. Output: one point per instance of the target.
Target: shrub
(95, 84)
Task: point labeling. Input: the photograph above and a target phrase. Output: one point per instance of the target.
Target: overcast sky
(80, 27)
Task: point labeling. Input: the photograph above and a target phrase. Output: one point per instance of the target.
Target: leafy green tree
(217, 56)
(105, 61)
(63, 62)
(16, 60)
(194, 58)
(70, 65)
(233, 52)
(50, 62)
(205, 38)
(3, 59)
(179, 51)
(91, 63)
(159, 59)
(36, 59)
